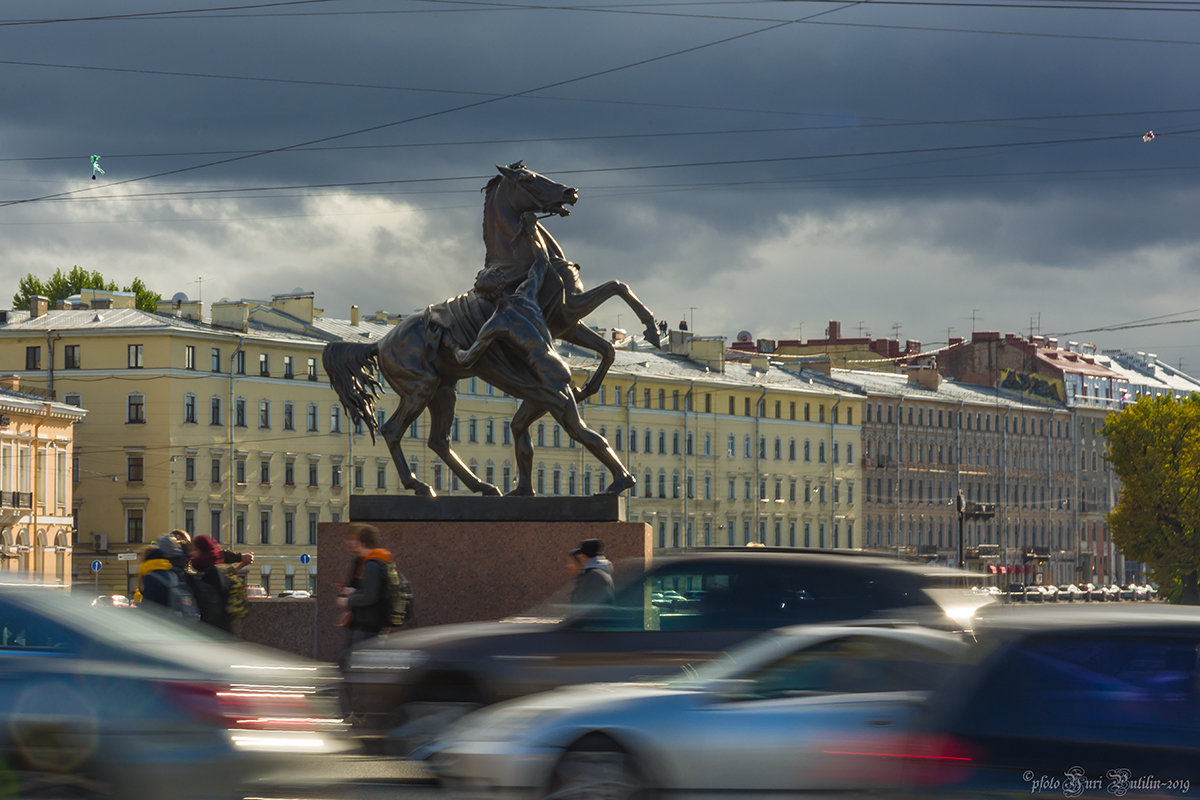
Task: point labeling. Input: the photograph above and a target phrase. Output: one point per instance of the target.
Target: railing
(16, 499)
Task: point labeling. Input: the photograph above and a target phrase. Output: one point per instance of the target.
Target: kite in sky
(96, 167)
(1147, 136)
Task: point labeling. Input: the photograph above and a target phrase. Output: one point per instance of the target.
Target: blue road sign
(304, 558)
(96, 565)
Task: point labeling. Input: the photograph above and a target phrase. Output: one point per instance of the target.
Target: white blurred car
(105, 702)
(795, 710)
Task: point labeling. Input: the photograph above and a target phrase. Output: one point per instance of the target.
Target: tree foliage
(1154, 448)
(62, 285)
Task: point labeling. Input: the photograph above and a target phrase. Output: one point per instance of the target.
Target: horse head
(535, 193)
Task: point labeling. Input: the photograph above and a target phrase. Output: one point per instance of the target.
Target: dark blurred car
(1015, 592)
(1088, 701)
(101, 702)
(405, 686)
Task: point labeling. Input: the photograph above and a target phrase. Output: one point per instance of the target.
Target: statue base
(477, 558)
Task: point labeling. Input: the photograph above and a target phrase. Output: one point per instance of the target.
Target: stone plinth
(465, 569)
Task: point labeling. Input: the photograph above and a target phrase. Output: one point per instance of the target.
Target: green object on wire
(96, 167)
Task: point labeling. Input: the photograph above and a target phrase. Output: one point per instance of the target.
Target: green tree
(1154, 448)
(62, 285)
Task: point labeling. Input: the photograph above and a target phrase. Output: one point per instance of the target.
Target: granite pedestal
(476, 558)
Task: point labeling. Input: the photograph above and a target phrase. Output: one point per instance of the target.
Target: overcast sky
(903, 167)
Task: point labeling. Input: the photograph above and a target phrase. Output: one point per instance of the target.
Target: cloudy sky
(906, 167)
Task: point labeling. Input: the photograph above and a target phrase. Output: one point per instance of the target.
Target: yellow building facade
(36, 485)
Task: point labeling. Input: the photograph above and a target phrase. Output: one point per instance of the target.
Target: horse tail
(351, 369)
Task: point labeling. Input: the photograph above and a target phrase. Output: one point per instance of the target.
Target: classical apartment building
(36, 484)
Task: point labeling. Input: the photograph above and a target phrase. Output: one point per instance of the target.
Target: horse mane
(491, 185)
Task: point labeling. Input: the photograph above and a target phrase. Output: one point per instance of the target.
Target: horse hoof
(520, 492)
(488, 490)
(424, 490)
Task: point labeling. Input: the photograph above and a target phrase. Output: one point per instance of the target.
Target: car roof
(845, 559)
(1009, 621)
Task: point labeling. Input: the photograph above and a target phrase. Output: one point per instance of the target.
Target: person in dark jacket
(210, 583)
(165, 567)
(593, 576)
(365, 597)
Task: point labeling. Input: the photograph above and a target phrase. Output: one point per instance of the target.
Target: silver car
(797, 709)
(98, 702)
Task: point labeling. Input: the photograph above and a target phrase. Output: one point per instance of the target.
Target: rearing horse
(417, 357)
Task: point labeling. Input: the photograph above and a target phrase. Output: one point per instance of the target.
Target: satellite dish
(745, 336)
(179, 297)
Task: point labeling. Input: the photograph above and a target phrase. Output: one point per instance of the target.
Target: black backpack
(400, 598)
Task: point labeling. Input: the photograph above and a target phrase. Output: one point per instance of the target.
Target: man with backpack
(367, 597)
(165, 581)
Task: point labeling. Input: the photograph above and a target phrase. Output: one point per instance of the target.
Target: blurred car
(100, 702)
(298, 594)
(403, 687)
(256, 591)
(761, 721)
(1034, 594)
(1091, 700)
(1015, 592)
(114, 600)
(1069, 593)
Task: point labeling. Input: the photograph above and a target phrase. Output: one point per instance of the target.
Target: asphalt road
(350, 778)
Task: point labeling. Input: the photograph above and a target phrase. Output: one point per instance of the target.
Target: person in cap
(593, 574)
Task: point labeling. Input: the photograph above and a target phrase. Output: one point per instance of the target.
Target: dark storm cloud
(838, 167)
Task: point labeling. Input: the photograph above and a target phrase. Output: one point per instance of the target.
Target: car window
(1133, 689)
(851, 665)
(23, 629)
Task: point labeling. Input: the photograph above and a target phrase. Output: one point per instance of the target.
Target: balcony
(22, 500)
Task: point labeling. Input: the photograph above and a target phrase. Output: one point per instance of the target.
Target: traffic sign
(96, 565)
(304, 558)
(127, 556)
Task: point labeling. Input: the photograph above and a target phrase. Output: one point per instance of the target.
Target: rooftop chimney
(10, 383)
(353, 315)
(38, 306)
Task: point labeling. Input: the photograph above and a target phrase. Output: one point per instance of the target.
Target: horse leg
(588, 339)
(393, 431)
(441, 417)
(525, 416)
(567, 414)
(580, 305)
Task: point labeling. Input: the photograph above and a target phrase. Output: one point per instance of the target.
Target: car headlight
(371, 658)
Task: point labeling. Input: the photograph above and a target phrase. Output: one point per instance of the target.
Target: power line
(429, 115)
(152, 14)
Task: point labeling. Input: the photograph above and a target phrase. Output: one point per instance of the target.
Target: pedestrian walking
(364, 597)
(593, 574)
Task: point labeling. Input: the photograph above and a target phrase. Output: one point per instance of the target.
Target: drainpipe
(958, 451)
(687, 399)
(757, 500)
(832, 468)
(899, 410)
(232, 456)
(50, 362)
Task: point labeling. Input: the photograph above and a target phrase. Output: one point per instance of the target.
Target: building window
(313, 518)
(264, 365)
(335, 419)
(289, 527)
(189, 357)
(189, 469)
(239, 470)
(312, 473)
(71, 356)
(135, 525)
(381, 476)
(264, 471)
(239, 524)
(288, 370)
(239, 362)
(134, 468)
(135, 409)
(73, 400)
(239, 412)
(216, 359)
(214, 524)
(312, 369)
(264, 527)
(289, 416)
(189, 408)
(336, 475)
(264, 413)
(312, 417)
(215, 467)
(215, 417)
(289, 473)
(135, 356)
(33, 358)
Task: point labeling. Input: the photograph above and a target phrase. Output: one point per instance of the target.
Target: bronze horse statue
(417, 358)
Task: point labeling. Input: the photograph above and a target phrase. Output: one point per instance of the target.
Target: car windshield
(734, 662)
